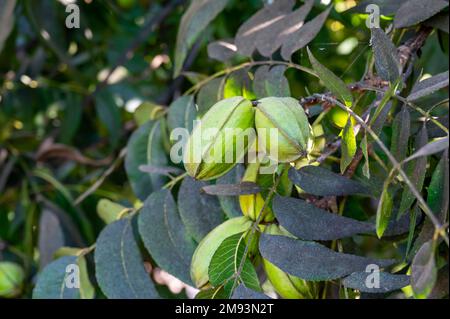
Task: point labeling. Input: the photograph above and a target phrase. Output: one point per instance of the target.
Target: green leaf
(383, 108)
(71, 118)
(438, 190)
(200, 212)
(348, 146)
(386, 57)
(308, 222)
(230, 204)
(109, 211)
(322, 182)
(366, 167)
(400, 134)
(429, 86)
(182, 113)
(225, 263)
(87, 290)
(416, 172)
(164, 235)
(52, 282)
(312, 261)
(109, 115)
(147, 111)
(384, 210)
(194, 21)
(387, 282)
(145, 147)
(212, 293)
(423, 271)
(119, 266)
(416, 11)
(6, 20)
(331, 81)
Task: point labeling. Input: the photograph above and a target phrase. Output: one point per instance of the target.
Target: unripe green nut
(295, 138)
(11, 279)
(208, 246)
(252, 204)
(208, 156)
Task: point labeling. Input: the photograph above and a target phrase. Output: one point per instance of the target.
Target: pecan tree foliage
(372, 189)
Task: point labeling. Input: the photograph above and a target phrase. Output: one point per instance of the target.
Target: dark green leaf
(230, 204)
(200, 212)
(386, 58)
(312, 261)
(243, 188)
(71, 119)
(430, 148)
(182, 113)
(423, 271)
(440, 21)
(438, 190)
(209, 94)
(194, 21)
(308, 222)
(387, 7)
(362, 281)
(416, 172)
(322, 182)
(429, 86)
(145, 147)
(242, 292)
(54, 281)
(109, 114)
(300, 38)
(164, 235)
(400, 134)
(416, 11)
(225, 263)
(119, 266)
(331, 81)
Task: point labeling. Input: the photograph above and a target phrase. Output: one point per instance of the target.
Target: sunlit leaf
(423, 271)
(348, 146)
(331, 81)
